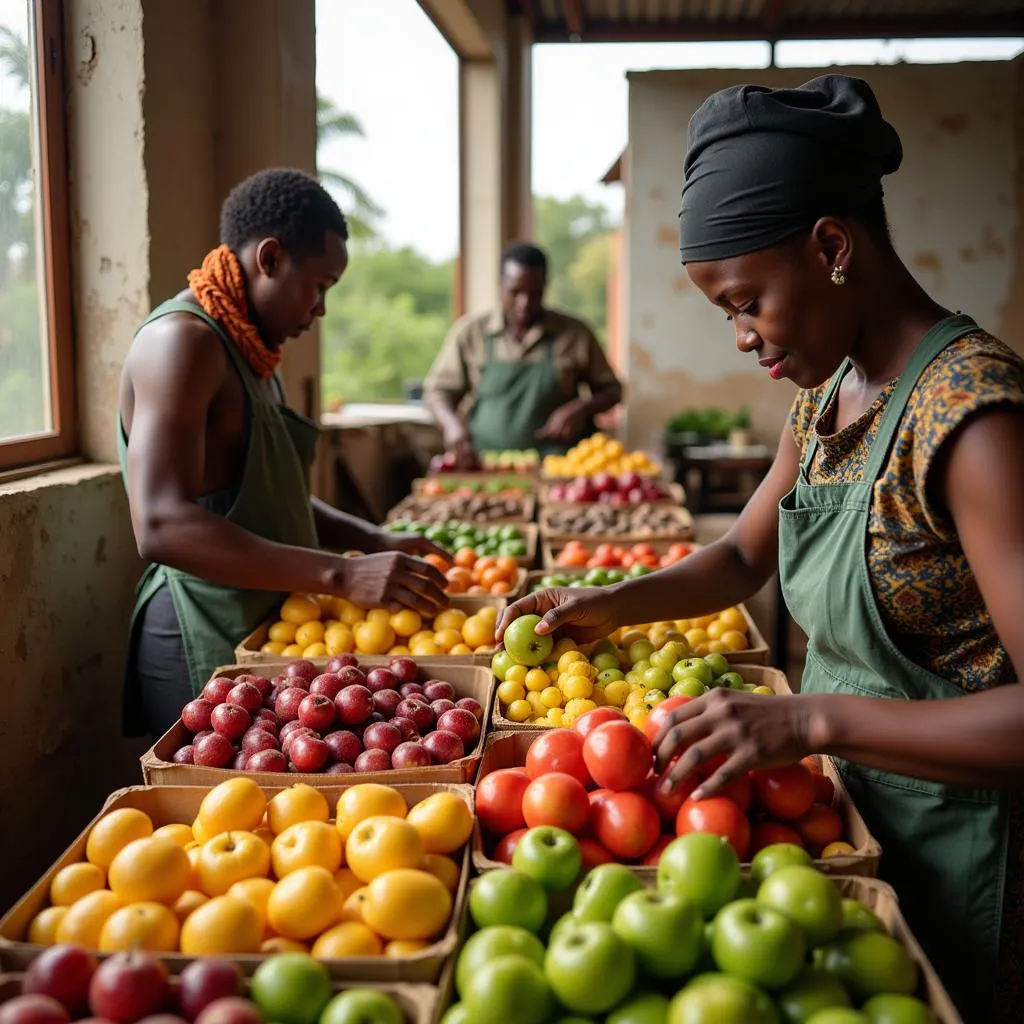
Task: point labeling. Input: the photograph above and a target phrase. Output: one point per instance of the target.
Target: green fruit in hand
(689, 686)
(640, 650)
(510, 987)
(806, 896)
(857, 917)
(291, 988)
(810, 991)
(757, 943)
(838, 1015)
(501, 662)
(508, 896)
(646, 1008)
(491, 943)
(719, 999)
(869, 963)
(696, 667)
(362, 1006)
(664, 930)
(657, 679)
(605, 662)
(718, 663)
(589, 968)
(703, 867)
(550, 855)
(896, 1009)
(770, 859)
(522, 642)
(602, 890)
(455, 1014)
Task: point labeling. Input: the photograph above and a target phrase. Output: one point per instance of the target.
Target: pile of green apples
(592, 578)
(451, 536)
(707, 945)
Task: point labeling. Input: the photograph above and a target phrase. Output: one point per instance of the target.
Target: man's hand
(394, 581)
(457, 441)
(409, 544)
(565, 423)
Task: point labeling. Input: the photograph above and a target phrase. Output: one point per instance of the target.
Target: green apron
(514, 400)
(271, 499)
(943, 847)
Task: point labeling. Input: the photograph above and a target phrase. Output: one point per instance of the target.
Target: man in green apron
(523, 377)
(217, 466)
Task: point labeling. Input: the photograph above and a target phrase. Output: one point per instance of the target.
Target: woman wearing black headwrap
(893, 512)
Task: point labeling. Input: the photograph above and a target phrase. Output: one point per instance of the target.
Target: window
(37, 414)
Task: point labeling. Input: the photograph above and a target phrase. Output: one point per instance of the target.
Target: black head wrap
(763, 164)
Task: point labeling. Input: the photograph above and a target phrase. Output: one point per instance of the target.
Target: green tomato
(718, 663)
(508, 897)
(838, 1015)
(657, 679)
(638, 570)
(696, 668)
(731, 679)
(640, 650)
(603, 662)
(609, 675)
(501, 662)
(602, 890)
(688, 686)
(590, 969)
(455, 1014)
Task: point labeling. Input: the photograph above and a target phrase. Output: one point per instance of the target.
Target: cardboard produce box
(508, 750)
(469, 681)
(170, 804)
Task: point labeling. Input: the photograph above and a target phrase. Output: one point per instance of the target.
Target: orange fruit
(485, 563)
(309, 633)
(304, 904)
(222, 926)
(306, 843)
(439, 563)
(114, 831)
(477, 632)
(84, 920)
(300, 608)
(338, 639)
(350, 938)
(444, 822)
(278, 944)
(352, 908)
(256, 892)
(231, 857)
(477, 591)
(346, 882)
(424, 649)
(189, 900)
(282, 633)
(407, 904)
(491, 576)
(181, 834)
(143, 925)
(501, 587)
(458, 580)
(373, 637)
(43, 929)
(150, 870)
(193, 855)
(465, 558)
(349, 614)
(450, 618)
(382, 844)
(508, 567)
(734, 640)
(399, 948)
(236, 804)
(460, 649)
(446, 639)
(294, 804)
(367, 800)
(443, 868)
(406, 623)
(73, 882)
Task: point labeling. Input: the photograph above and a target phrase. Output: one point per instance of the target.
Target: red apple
(385, 701)
(217, 690)
(238, 764)
(351, 676)
(163, 1018)
(354, 704)
(317, 711)
(246, 696)
(286, 707)
(261, 683)
(373, 761)
(381, 736)
(62, 973)
(184, 755)
(308, 752)
(472, 705)
(382, 679)
(213, 751)
(340, 661)
(267, 761)
(411, 755)
(339, 768)
(405, 669)
(438, 689)
(344, 745)
(128, 986)
(444, 746)
(303, 669)
(33, 1009)
(407, 727)
(409, 689)
(257, 739)
(463, 723)
(287, 741)
(289, 727)
(195, 715)
(267, 720)
(202, 735)
(230, 720)
(439, 707)
(230, 1010)
(420, 713)
(327, 684)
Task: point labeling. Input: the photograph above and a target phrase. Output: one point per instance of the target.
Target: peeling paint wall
(955, 209)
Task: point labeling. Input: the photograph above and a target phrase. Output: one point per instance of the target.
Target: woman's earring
(838, 277)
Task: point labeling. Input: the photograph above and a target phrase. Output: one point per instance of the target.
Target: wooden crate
(683, 529)
(551, 546)
(525, 515)
(676, 496)
(473, 681)
(508, 750)
(169, 804)
(518, 481)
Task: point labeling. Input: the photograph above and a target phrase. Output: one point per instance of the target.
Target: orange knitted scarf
(219, 285)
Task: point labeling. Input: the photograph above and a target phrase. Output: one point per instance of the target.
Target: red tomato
(642, 549)
(785, 792)
(558, 750)
(660, 712)
(556, 799)
(617, 755)
(820, 826)
(592, 719)
(506, 846)
(627, 824)
(740, 790)
(593, 853)
(718, 815)
(824, 790)
(499, 800)
(668, 804)
(770, 832)
(708, 768)
(654, 854)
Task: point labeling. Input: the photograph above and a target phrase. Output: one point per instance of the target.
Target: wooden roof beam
(574, 19)
(458, 24)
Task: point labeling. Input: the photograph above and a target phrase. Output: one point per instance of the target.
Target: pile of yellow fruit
(321, 626)
(558, 693)
(599, 454)
(256, 876)
(725, 632)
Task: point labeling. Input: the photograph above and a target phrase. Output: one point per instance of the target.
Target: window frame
(47, 51)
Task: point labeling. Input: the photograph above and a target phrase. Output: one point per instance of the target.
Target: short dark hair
(525, 254)
(285, 204)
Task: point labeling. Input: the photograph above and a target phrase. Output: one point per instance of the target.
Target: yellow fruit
(338, 639)
(382, 844)
(695, 637)
(276, 649)
(562, 645)
(350, 938)
(703, 621)
(461, 649)
(193, 854)
(346, 882)
(837, 849)
(256, 892)
(292, 651)
(230, 857)
(733, 618)
(509, 692)
(555, 717)
(581, 668)
(630, 636)
(446, 639)
(400, 948)
(715, 629)
(766, 690)
(450, 618)
(407, 904)
(73, 882)
(373, 637)
(236, 804)
(422, 636)
(181, 834)
(306, 843)
(318, 650)
(279, 944)
(683, 625)
(638, 718)
(517, 674)
(349, 614)
(304, 904)
(537, 706)
(145, 925)
(224, 925)
(309, 633)
(443, 868)
(294, 804)
(84, 920)
(551, 697)
(734, 640)
(367, 800)
(352, 908)
(150, 870)
(537, 680)
(488, 614)
(717, 647)
(300, 608)
(444, 822)
(424, 649)
(43, 929)
(598, 696)
(579, 706)
(399, 650)
(282, 632)
(189, 900)
(576, 687)
(113, 832)
(326, 602)
(406, 622)
(477, 631)
(518, 711)
(569, 658)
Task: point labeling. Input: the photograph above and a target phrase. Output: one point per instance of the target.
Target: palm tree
(332, 123)
(14, 60)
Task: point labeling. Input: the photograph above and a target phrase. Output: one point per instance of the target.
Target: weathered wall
(955, 208)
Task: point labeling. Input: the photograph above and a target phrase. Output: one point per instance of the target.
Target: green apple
(362, 1006)
(718, 663)
(688, 686)
(657, 679)
(719, 999)
(522, 642)
(575, 1020)
(501, 662)
(869, 963)
(292, 988)
(510, 987)
(565, 921)
(838, 1015)
(602, 890)
(811, 990)
(604, 662)
(609, 675)
(757, 943)
(703, 867)
(646, 1008)
(806, 896)
(733, 680)
(508, 896)
(695, 667)
(550, 855)
(889, 1008)
(489, 944)
(857, 917)
(589, 968)
(455, 1014)
(640, 650)
(770, 859)
(664, 929)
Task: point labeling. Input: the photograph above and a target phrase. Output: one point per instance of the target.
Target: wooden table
(720, 478)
